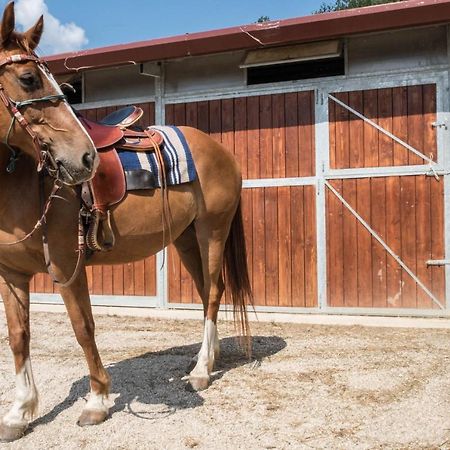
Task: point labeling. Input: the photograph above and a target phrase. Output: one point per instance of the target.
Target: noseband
(43, 155)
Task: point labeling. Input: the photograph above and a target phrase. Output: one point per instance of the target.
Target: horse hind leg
(211, 235)
(189, 251)
(14, 289)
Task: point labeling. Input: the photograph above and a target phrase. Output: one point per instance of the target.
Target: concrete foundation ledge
(312, 319)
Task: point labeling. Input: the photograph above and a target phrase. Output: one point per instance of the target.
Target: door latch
(439, 125)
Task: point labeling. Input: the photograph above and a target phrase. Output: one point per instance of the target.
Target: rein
(166, 214)
(45, 159)
(42, 223)
(45, 206)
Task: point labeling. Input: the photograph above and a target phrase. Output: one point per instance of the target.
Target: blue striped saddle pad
(177, 156)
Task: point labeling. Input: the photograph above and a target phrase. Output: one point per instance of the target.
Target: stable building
(340, 124)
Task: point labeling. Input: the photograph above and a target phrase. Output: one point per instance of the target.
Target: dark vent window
(77, 96)
(296, 71)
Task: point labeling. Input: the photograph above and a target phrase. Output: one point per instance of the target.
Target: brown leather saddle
(108, 187)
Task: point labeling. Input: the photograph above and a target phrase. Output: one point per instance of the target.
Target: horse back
(137, 220)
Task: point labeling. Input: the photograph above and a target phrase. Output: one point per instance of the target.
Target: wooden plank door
(407, 212)
(271, 136)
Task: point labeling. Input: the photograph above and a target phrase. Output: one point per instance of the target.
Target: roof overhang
(317, 27)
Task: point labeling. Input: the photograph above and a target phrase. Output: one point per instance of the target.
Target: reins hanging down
(166, 215)
(81, 249)
(44, 210)
(42, 223)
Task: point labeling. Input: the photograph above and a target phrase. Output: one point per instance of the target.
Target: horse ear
(34, 34)
(8, 23)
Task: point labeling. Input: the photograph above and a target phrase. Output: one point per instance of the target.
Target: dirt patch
(307, 387)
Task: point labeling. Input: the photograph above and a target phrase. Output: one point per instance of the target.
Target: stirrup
(100, 236)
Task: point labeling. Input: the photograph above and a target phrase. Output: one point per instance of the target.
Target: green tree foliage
(338, 5)
(263, 19)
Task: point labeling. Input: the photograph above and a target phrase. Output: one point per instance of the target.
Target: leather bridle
(44, 159)
(43, 155)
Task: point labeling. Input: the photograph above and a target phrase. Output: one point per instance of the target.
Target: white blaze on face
(58, 90)
(25, 404)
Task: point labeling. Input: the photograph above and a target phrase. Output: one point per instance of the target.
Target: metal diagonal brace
(387, 133)
(384, 245)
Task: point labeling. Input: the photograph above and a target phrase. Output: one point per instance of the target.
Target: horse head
(35, 117)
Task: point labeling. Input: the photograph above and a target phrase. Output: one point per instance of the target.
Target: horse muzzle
(75, 172)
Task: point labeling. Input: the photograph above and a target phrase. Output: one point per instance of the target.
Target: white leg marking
(205, 359)
(96, 402)
(25, 404)
(216, 348)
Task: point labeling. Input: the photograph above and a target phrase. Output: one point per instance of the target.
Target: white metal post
(162, 292)
(322, 165)
(446, 181)
(443, 115)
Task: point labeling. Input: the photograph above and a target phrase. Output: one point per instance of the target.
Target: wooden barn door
(133, 279)
(406, 212)
(272, 137)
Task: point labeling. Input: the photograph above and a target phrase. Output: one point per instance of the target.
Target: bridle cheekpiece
(43, 155)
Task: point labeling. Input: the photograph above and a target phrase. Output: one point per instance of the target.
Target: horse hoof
(199, 383)
(10, 434)
(93, 417)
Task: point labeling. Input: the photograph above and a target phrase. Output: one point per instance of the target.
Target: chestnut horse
(206, 229)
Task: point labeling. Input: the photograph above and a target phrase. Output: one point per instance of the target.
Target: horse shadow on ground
(159, 378)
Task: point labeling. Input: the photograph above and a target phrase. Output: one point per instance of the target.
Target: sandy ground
(310, 386)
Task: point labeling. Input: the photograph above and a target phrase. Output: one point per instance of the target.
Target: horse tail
(237, 279)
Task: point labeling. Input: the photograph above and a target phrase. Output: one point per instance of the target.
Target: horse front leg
(78, 305)
(14, 289)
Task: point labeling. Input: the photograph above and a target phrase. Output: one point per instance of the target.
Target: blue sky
(81, 24)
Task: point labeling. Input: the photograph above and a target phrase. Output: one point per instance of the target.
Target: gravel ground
(309, 386)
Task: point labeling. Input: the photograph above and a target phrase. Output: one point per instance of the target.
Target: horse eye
(28, 80)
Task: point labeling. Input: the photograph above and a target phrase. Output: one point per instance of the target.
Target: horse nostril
(88, 161)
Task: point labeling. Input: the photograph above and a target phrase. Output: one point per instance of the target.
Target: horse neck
(19, 189)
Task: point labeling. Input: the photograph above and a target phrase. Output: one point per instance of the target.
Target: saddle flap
(108, 184)
(102, 135)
